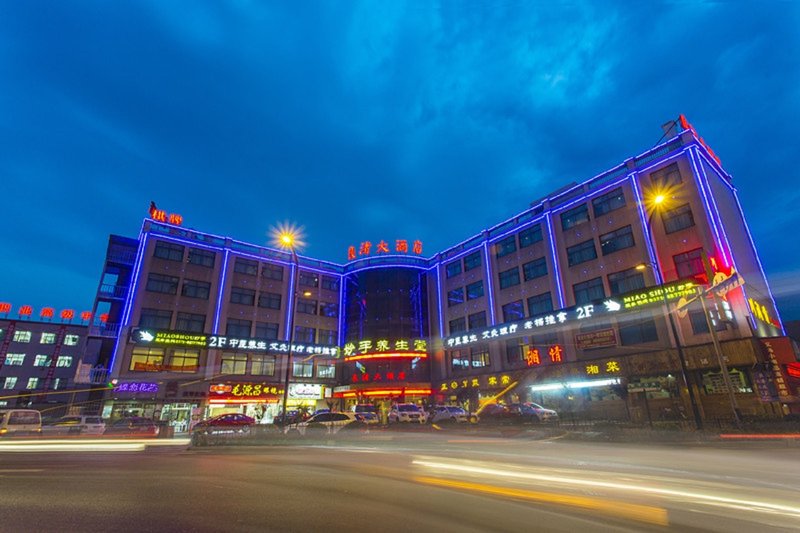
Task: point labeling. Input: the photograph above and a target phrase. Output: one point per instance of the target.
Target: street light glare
(287, 236)
(641, 266)
(659, 199)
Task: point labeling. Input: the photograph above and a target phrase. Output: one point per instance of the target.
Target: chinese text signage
(401, 246)
(380, 348)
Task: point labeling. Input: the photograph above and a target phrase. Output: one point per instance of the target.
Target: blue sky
(369, 120)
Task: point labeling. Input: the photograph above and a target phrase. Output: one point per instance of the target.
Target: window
(306, 306)
(475, 290)
(184, 360)
(326, 371)
(667, 176)
(155, 318)
(589, 291)
(610, 201)
(232, 363)
(147, 359)
(327, 336)
(714, 382)
(506, 246)
(32, 383)
(516, 349)
(637, 331)
(267, 330)
(307, 279)
(168, 251)
(269, 300)
(625, 281)
(616, 240)
(162, 283)
(700, 325)
(689, 264)
(57, 383)
(47, 338)
(262, 365)
(575, 216)
(64, 361)
(330, 284)
(540, 304)
(245, 266)
(238, 328)
(301, 369)
(15, 359)
(304, 334)
(41, 360)
(477, 320)
(455, 297)
(190, 322)
(513, 311)
(200, 257)
(580, 253)
(457, 325)
(10, 382)
(243, 296)
(479, 356)
(529, 236)
(459, 359)
(453, 269)
(471, 261)
(71, 340)
(535, 269)
(328, 309)
(509, 278)
(22, 336)
(270, 271)
(677, 219)
(196, 289)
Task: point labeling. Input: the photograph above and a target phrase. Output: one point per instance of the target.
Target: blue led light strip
(221, 290)
(126, 312)
(709, 212)
(647, 237)
(729, 251)
(439, 297)
(488, 271)
(340, 333)
(554, 253)
(293, 270)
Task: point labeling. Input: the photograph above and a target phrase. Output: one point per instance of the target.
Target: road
(413, 482)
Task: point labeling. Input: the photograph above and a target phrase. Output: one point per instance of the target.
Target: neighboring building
(547, 306)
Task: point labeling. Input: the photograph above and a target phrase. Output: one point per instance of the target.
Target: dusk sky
(369, 120)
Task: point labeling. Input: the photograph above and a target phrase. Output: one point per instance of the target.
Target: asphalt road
(416, 482)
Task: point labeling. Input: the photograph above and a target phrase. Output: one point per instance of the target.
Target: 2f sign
(585, 311)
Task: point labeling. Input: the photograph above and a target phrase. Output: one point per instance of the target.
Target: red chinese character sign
(383, 247)
(159, 215)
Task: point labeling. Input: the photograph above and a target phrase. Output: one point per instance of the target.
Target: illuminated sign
(26, 311)
(377, 376)
(305, 391)
(177, 338)
(761, 312)
(596, 339)
(137, 386)
(478, 382)
(532, 357)
(607, 367)
(383, 348)
(656, 295)
(687, 126)
(779, 350)
(381, 392)
(159, 215)
(382, 248)
(248, 392)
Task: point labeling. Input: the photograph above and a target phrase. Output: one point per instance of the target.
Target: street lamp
(657, 203)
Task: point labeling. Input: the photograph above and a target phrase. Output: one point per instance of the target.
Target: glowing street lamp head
(287, 236)
(659, 199)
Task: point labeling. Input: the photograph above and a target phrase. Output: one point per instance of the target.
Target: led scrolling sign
(201, 340)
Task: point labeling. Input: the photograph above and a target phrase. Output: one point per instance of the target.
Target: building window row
(181, 360)
(464, 359)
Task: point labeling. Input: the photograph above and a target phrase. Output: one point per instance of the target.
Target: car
(76, 425)
(368, 413)
(328, 424)
(20, 422)
(496, 413)
(539, 414)
(407, 412)
(449, 413)
(292, 417)
(133, 426)
(228, 425)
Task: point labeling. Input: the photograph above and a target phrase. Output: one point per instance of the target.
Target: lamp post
(658, 201)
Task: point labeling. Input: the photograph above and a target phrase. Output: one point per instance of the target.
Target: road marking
(19, 470)
(631, 511)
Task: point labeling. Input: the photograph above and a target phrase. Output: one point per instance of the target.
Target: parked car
(517, 413)
(20, 422)
(75, 425)
(133, 426)
(448, 413)
(328, 424)
(367, 413)
(407, 412)
(225, 426)
(496, 413)
(292, 417)
(544, 415)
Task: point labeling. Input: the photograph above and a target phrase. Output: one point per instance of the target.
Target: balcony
(104, 330)
(113, 291)
(121, 256)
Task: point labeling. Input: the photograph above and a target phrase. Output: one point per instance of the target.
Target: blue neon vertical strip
(556, 268)
(290, 308)
(221, 290)
(126, 312)
(489, 281)
(646, 229)
(731, 261)
(439, 297)
(709, 212)
(340, 335)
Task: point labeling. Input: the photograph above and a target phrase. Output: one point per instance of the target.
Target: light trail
(89, 445)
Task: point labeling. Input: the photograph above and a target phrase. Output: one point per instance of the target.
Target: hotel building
(587, 302)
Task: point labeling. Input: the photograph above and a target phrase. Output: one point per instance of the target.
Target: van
(20, 422)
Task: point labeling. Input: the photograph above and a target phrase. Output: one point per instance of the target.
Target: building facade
(637, 294)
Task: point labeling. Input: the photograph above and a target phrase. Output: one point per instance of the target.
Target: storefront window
(233, 364)
(714, 382)
(147, 360)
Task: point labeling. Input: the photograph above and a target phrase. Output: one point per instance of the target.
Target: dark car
(292, 417)
(496, 413)
(133, 426)
(229, 425)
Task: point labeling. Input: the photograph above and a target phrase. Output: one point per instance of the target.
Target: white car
(367, 413)
(76, 425)
(449, 413)
(327, 424)
(407, 412)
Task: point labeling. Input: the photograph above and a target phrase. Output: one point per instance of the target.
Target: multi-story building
(586, 301)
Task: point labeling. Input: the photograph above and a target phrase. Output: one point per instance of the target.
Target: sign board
(596, 339)
(305, 391)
